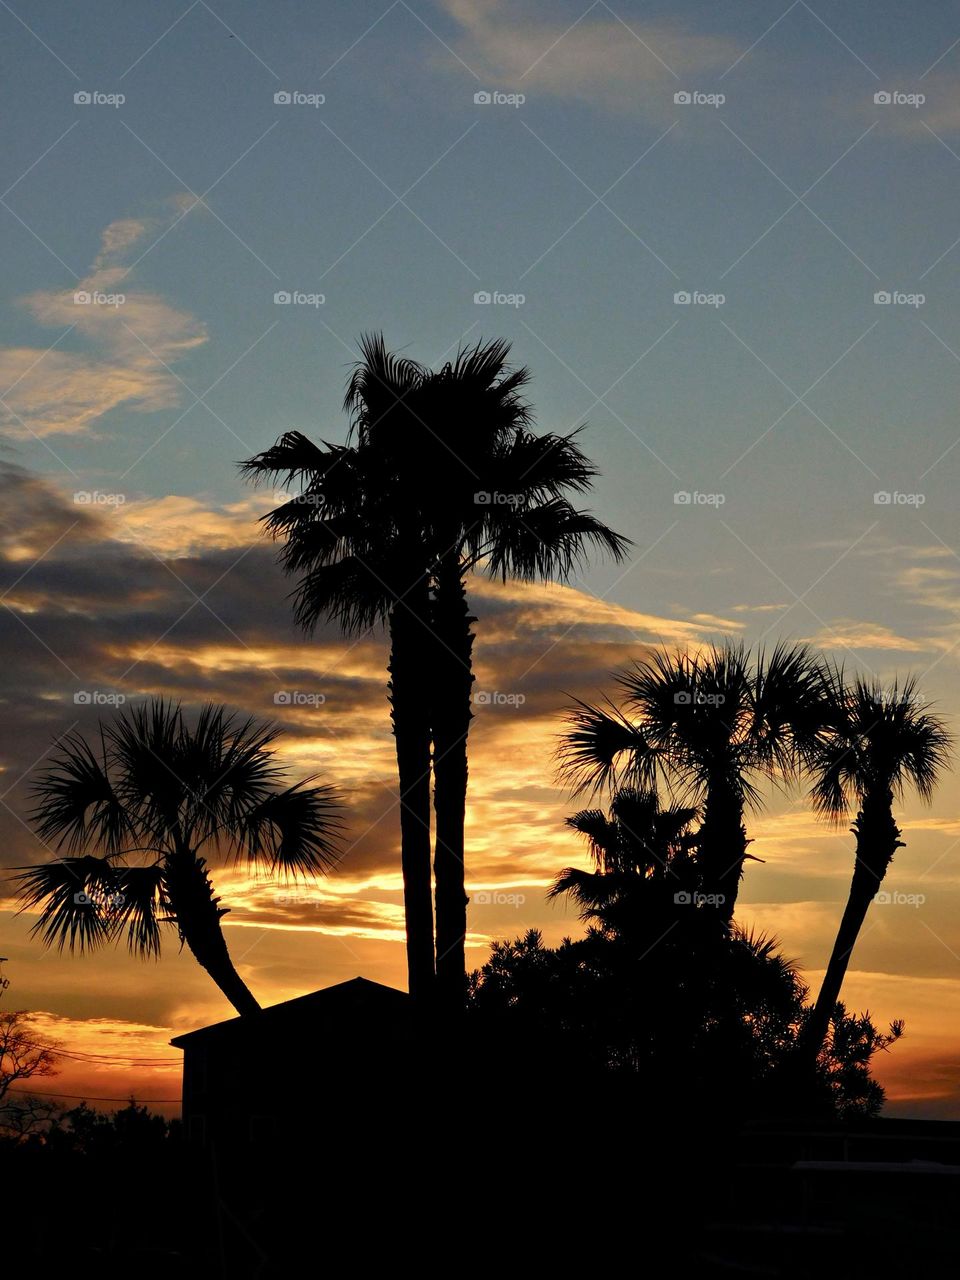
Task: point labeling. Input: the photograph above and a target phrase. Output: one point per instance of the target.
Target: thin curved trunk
(722, 847)
(196, 910)
(452, 683)
(878, 838)
(410, 712)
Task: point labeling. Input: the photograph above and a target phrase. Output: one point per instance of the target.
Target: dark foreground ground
(499, 1194)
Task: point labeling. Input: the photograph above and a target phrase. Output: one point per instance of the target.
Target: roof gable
(355, 1002)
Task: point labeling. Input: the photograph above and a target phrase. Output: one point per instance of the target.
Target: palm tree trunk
(410, 712)
(195, 908)
(878, 838)
(722, 848)
(453, 682)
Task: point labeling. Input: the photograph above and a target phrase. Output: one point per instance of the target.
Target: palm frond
(74, 898)
(295, 831)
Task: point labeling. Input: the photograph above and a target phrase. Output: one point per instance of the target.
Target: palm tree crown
(135, 814)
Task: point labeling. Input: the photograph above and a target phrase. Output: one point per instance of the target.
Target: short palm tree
(711, 724)
(881, 742)
(639, 847)
(138, 814)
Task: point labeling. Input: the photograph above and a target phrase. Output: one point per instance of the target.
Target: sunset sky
(813, 426)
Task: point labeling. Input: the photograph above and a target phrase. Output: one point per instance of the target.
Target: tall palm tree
(353, 538)
(139, 812)
(442, 477)
(881, 742)
(493, 496)
(712, 724)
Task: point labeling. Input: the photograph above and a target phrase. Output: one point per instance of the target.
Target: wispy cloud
(115, 347)
(622, 64)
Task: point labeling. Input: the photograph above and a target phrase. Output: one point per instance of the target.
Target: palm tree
(442, 478)
(353, 538)
(881, 742)
(137, 815)
(493, 498)
(642, 855)
(710, 723)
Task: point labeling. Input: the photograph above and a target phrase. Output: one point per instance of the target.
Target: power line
(109, 1057)
(86, 1097)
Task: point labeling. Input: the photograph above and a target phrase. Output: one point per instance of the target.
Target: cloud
(602, 60)
(852, 634)
(109, 353)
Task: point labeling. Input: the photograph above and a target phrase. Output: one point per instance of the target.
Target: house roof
(356, 1001)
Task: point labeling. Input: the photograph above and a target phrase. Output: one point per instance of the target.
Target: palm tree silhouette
(710, 723)
(354, 539)
(638, 848)
(493, 498)
(138, 812)
(442, 478)
(881, 742)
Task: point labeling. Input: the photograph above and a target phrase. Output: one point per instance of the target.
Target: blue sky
(790, 404)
